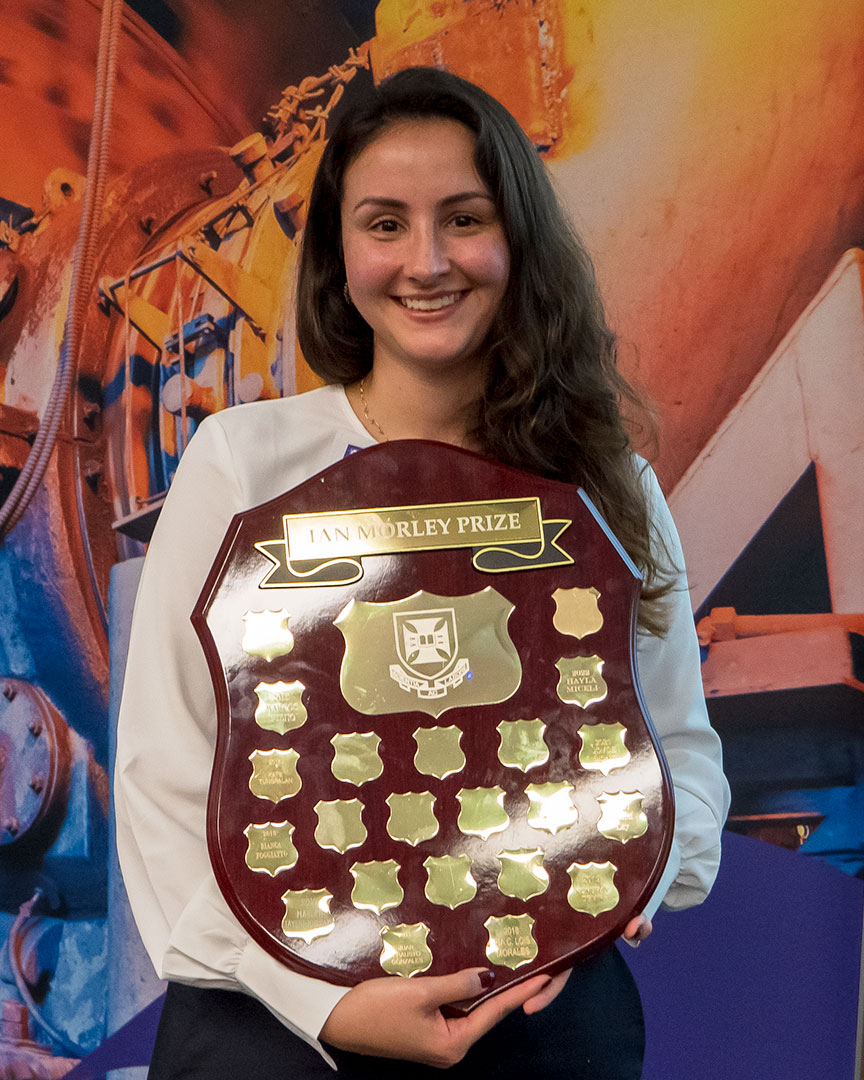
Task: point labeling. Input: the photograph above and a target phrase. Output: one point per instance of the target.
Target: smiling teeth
(430, 305)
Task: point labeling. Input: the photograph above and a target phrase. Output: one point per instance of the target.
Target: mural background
(711, 156)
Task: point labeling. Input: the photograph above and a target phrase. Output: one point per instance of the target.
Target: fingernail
(486, 979)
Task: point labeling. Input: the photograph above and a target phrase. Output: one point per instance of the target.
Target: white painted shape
(830, 355)
(807, 403)
(742, 474)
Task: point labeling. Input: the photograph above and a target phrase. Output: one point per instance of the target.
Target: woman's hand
(637, 930)
(548, 994)
(401, 1018)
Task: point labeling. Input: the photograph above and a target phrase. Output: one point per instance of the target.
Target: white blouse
(167, 727)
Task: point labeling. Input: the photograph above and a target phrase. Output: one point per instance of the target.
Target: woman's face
(426, 258)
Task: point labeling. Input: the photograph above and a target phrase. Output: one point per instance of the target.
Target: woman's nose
(427, 257)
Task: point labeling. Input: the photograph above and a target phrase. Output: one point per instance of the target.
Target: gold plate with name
(622, 818)
(449, 882)
(270, 849)
(412, 817)
(307, 914)
(267, 634)
(511, 940)
(427, 652)
(280, 706)
(404, 950)
(522, 873)
(274, 774)
(376, 886)
(603, 747)
(592, 887)
(577, 612)
(550, 807)
(343, 534)
(482, 811)
(581, 681)
(355, 757)
(522, 744)
(438, 751)
(340, 824)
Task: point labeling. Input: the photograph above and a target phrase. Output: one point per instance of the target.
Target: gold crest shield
(428, 653)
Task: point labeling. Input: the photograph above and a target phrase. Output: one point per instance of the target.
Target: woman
(442, 295)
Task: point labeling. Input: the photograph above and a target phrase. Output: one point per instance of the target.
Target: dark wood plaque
(432, 748)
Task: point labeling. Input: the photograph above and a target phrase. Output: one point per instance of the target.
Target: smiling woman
(427, 265)
(442, 295)
(440, 198)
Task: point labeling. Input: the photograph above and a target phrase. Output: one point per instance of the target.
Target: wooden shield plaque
(432, 749)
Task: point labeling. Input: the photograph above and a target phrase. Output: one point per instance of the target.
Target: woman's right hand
(401, 1018)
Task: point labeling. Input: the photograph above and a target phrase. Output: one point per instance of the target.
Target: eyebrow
(398, 204)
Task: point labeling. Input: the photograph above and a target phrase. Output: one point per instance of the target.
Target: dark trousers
(594, 1030)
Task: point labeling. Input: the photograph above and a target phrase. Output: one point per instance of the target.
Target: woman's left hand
(637, 930)
(548, 994)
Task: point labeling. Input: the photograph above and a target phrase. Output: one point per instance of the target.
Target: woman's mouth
(434, 303)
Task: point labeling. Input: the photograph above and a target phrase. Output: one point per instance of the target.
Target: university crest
(429, 653)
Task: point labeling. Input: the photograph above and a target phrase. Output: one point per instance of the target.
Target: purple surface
(130, 1045)
(761, 981)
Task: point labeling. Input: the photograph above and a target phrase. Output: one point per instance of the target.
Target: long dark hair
(554, 398)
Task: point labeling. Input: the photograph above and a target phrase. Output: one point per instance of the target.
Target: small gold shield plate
(267, 634)
(438, 751)
(340, 824)
(404, 950)
(376, 886)
(270, 849)
(307, 914)
(550, 807)
(603, 747)
(274, 774)
(523, 874)
(581, 681)
(449, 882)
(511, 940)
(280, 706)
(577, 612)
(622, 818)
(482, 811)
(412, 817)
(355, 757)
(592, 887)
(522, 744)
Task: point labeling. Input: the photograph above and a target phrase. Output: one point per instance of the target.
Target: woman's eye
(464, 221)
(385, 225)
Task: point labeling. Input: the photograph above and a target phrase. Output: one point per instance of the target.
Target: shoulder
(271, 446)
(658, 509)
(647, 477)
(294, 414)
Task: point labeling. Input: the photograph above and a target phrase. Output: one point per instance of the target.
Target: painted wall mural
(711, 154)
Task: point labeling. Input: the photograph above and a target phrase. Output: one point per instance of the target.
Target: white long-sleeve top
(167, 725)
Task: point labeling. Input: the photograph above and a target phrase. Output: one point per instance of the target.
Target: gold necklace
(369, 419)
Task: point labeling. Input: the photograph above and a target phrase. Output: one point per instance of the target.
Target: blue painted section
(839, 838)
(132, 982)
